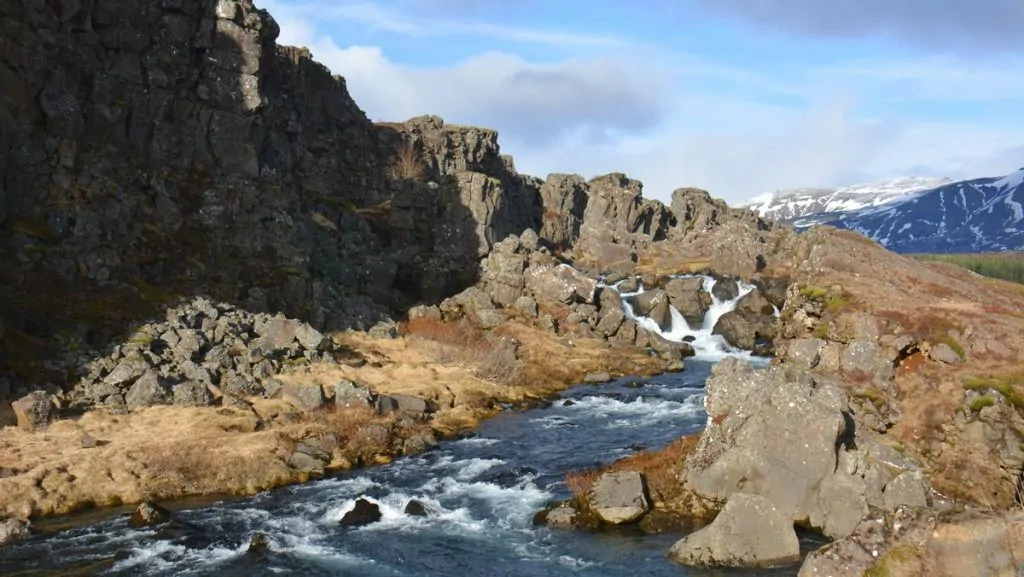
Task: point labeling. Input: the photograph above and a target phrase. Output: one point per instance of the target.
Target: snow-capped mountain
(979, 215)
(806, 206)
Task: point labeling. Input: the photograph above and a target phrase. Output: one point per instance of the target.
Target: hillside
(914, 215)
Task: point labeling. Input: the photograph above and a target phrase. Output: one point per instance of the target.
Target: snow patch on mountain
(806, 206)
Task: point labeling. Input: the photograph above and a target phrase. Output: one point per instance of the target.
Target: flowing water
(481, 493)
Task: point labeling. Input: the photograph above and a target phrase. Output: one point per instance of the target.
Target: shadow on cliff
(235, 169)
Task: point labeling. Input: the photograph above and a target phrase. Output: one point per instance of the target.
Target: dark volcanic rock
(364, 513)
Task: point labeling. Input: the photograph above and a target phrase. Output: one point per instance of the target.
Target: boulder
(619, 498)
(774, 432)
(191, 394)
(669, 350)
(147, 515)
(944, 353)
(804, 353)
(749, 532)
(559, 284)
(259, 544)
(609, 321)
(687, 295)
(527, 306)
(559, 516)
(303, 396)
(349, 394)
(397, 403)
(725, 289)
(751, 325)
(12, 530)
(608, 298)
(283, 334)
(363, 513)
(149, 390)
(34, 411)
(415, 508)
(428, 312)
(654, 305)
(502, 273)
(909, 488)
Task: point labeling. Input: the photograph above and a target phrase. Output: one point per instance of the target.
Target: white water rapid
(708, 346)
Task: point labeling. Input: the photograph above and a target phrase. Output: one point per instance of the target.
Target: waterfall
(708, 346)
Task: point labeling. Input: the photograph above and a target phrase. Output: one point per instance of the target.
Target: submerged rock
(619, 498)
(750, 531)
(364, 513)
(259, 544)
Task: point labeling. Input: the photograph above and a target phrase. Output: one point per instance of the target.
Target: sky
(739, 97)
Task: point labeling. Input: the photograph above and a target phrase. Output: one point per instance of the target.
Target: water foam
(707, 345)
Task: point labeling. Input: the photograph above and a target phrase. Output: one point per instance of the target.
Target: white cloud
(675, 120)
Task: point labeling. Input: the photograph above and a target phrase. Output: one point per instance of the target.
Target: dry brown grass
(407, 164)
(491, 357)
(660, 468)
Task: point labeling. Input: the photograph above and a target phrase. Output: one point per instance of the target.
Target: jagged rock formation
(156, 152)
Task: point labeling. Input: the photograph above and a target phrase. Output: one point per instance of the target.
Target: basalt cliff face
(156, 150)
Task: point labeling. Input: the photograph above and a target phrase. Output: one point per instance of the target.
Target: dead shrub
(407, 164)
(492, 358)
(343, 421)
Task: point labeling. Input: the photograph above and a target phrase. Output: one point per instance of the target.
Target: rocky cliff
(151, 152)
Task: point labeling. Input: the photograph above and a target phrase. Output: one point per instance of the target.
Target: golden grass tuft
(660, 468)
(491, 357)
(407, 164)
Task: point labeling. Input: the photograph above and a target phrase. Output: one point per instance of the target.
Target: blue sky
(740, 97)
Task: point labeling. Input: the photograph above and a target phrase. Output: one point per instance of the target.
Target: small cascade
(708, 346)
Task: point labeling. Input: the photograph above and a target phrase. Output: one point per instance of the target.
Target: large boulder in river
(750, 531)
(788, 436)
(689, 298)
(619, 498)
(654, 305)
(751, 325)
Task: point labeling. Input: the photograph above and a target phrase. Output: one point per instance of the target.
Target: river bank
(242, 447)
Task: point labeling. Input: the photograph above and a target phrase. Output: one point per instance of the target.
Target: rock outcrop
(750, 531)
(791, 438)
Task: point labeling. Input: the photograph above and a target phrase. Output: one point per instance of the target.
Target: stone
(12, 530)
(861, 357)
(415, 508)
(424, 312)
(619, 498)
(805, 353)
(726, 289)
(654, 305)
(149, 390)
(909, 488)
(351, 395)
(526, 305)
(774, 433)
(259, 544)
(398, 403)
(191, 394)
(749, 532)
(88, 441)
(304, 396)
(687, 295)
(34, 411)
(945, 354)
(364, 512)
(610, 321)
(147, 515)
